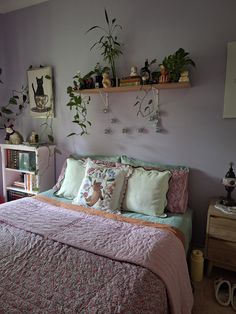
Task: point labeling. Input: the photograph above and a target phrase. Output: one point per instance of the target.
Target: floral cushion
(177, 196)
(101, 187)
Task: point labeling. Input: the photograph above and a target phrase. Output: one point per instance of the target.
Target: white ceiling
(12, 5)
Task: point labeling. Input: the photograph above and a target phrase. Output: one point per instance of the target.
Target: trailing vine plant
(15, 105)
(78, 103)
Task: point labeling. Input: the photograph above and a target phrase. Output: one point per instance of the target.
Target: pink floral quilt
(54, 260)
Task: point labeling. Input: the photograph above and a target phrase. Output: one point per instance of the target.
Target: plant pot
(98, 81)
(115, 82)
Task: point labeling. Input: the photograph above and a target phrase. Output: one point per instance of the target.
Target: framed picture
(41, 92)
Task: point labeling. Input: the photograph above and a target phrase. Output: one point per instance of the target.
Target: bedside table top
(213, 211)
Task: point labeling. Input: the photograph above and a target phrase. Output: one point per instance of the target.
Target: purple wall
(53, 33)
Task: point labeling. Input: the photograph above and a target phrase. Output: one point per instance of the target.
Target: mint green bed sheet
(183, 222)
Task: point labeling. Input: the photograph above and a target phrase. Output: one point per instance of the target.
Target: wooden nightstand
(220, 239)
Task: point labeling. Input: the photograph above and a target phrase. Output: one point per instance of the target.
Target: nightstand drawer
(222, 251)
(222, 228)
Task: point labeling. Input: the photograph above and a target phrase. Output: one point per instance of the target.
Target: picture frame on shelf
(40, 86)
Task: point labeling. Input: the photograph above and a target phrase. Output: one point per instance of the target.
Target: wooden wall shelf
(124, 89)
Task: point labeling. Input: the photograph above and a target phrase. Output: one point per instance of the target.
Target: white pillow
(74, 174)
(101, 187)
(146, 192)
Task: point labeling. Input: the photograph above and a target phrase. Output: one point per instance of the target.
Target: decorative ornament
(164, 77)
(108, 131)
(229, 181)
(106, 82)
(184, 77)
(12, 136)
(133, 71)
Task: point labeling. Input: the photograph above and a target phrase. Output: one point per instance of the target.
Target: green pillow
(146, 192)
(74, 175)
(98, 157)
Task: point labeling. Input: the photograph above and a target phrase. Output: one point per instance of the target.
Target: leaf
(51, 138)
(16, 97)
(150, 102)
(12, 101)
(107, 19)
(137, 102)
(96, 26)
(48, 77)
(89, 123)
(113, 21)
(24, 98)
(6, 110)
(146, 108)
(71, 134)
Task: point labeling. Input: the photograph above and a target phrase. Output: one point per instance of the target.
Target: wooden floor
(204, 294)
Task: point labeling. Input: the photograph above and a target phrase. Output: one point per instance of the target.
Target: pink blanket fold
(155, 249)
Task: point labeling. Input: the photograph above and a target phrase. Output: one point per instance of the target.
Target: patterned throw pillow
(177, 196)
(101, 187)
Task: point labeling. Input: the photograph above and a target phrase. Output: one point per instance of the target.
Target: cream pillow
(101, 187)
(74, 174)
(146, 192)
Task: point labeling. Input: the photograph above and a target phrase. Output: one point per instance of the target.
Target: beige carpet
(204, 294)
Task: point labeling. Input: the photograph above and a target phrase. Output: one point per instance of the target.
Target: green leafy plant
(10, 112)
(108, 43)
(79, 103)
(16, 103)
(177, 63)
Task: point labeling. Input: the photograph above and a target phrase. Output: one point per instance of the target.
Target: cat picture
(40, 86)
(39, 90)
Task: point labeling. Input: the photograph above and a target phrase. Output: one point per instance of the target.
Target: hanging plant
(78, 103)
(10, 112)
(108, 42)
(16, 103)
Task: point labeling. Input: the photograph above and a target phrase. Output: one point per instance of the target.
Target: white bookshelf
(42, 172)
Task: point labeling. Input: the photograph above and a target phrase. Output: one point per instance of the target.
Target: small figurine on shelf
(12, 136)
(133, 71)
(145, 73)
(106, 82)
(164, 76)
(34, 138)
(184, 77)
(229, 182)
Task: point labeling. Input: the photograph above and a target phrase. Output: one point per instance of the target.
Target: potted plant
(79, 103)
(177, 63)
(108, 42)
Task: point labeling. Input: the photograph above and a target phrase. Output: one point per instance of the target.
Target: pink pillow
(57, 186)
(177, 196)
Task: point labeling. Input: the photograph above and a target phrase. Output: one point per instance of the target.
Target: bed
(59, 257)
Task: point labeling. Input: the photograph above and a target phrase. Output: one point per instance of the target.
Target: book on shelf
(24, 161)
(30, 182)
(130, 84)
(15, 195)
(130, 79)
(19, 184)
(12, 158)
